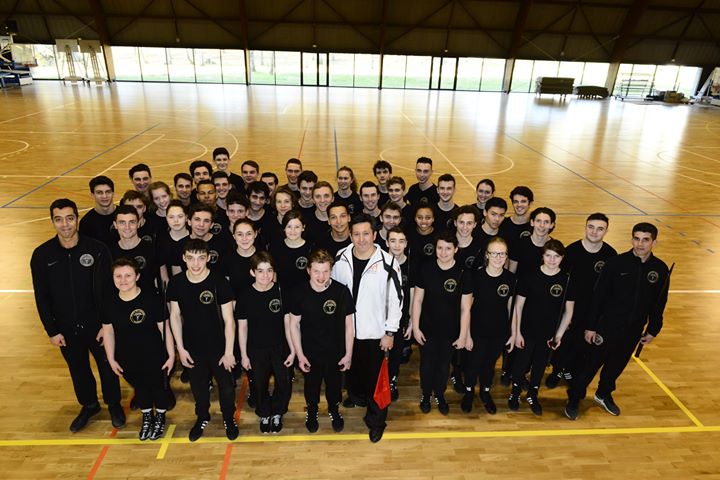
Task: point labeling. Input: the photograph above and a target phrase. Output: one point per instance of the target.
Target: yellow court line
(166, 442)
(665, 389)
(363, 437)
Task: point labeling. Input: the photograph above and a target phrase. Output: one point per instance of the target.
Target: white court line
(133, 153)
(35, 113)
(671, 291)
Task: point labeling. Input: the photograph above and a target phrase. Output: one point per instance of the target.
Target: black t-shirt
(315, 229)
(511, 232)
(265, 316)
(358, 269)
(150, 229)
(144, 255)
(100, 227)
(526, 254)
(237, 182)
(414, 194)
(489, 313)
(237, 270)
(472, 257)
(543, 302)
(353, 202)
(584, 268)
(407, 219)
(421, 248)
(444, 221)
(327, 242)
(138, 341)
(406, 287)
(273, 230)
(322, 325)
(170, 251)
(440, 316)
(221, 223)
(200, 304)
(291, 263)
(219, 246)
(383, 199)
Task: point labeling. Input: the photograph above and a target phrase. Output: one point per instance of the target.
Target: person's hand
(58, 340)
(647, 338)
(407, 334)
(459, 344)
(186, 359)
(345, 362)
(99, 336)
(590, 336)
(419, 336)
(115, 367)
(303, 363)
(510, 344)
(519, 341)
(245, 362)
(554, 343)
(469, 344)
(289, 360)
(386, 343)
(227, 361)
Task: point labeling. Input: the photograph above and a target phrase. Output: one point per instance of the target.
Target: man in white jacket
(373, 277)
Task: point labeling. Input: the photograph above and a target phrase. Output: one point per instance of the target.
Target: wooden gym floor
(634, 162)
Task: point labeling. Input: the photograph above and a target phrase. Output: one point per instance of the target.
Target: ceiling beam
(417, 24)
(100, 22)
(685, 29)
(631, 21)
(278, 21)
(519, 28)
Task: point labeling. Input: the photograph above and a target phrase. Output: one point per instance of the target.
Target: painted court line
(35, 113)
(166, 442)
(160, 137)
(346, 437)
(667, 391)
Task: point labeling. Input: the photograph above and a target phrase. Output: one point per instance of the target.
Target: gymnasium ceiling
(635, 31)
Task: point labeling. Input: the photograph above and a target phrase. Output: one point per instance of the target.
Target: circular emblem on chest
(86, 260)
(329, 307)
(429, 249)
(137, 316)
(213, 256)
(141, 261)
(503, 290)
(556, 290)
(301, 263)
(450, 285)
(599, 265)
(206, 297)
(653, 276)
(275, 305)
(216, 228)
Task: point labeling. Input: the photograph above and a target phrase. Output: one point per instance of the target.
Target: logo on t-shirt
(147, 238)
(301, 263)
(653, 276)
(213, 256)
(450, 285)
(216, 228)
(524, 233)
(503, 290)
(469, 261)
(599, 265)
(141, 261)
(137, 316)
(351, 208)
(329, 307)
(206, 297)
(429, 249)
(556, 290)
(275, 305)
(86, 260)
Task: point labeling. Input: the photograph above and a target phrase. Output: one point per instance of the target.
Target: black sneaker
(487, 401)
(337, 421)
(117, 415)
(159, 426)
(567, 376)
(553, 379)
(210, 385)
(425, 404)
(535, 406)
(147, 425)
(514, 398)
(442, 404)
(505, 379)
(185, 375)
(394, 393)
(608, 404)
(466, 404)
(231, 429)
(264, 424)
(198, 429)
(311, 419)
(572, 409)
(134, 405)
(252, 399)
(86, 413)
(352, 401)
(276, 424)
(376, 434)
(457, 383)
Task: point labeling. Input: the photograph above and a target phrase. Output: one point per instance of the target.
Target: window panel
(417, 72)
(287, 68)
(522, 72)
(448, 73)
(310, 68)
(666, 77)
(127, 63)
(233, 66)
(181, 64)
(262, 67)
(469, 72)
(45, 57)
(208, 65)
(595, 74)
(367, 70)
(688, 80)
(341, 69)
(153, 63)
(572, 70)
(492, 74)
(394, 71)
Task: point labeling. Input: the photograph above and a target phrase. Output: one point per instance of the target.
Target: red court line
(302, 142)
(226, 461)
(101, 456)
(229, 449)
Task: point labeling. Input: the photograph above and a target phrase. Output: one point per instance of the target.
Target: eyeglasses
(497, 254)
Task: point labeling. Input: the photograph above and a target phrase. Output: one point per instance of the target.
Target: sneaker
(466, 404)
(86, 413)
(231, 429)
(352, 401)
(535, 406)
(210, 386)
(252, 399)
(553, 379)
(457, 383)
(264, 424)
(185, 375)
(147, 425)
(276, 424)
(567, 376)
(134, 405)
(505, 379)
(198, 429)
(376, 434)
(442, 404)
(487, 401)
(572, 409)
(425, 404)
(608, 404)
(159, 426)
(394, 393)
(337, 421)
(311, 419)
(514, 398)
(117, 415)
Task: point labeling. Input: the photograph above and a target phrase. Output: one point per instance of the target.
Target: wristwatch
(389, 334)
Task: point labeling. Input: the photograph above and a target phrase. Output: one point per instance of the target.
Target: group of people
(229, 273)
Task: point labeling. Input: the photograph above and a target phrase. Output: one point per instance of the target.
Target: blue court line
(337, 157)
(576, 174)
(48, 182)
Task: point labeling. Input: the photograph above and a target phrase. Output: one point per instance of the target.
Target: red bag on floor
(382, 387)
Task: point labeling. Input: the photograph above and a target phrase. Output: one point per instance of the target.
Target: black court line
(576, 174)
(48, 182)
